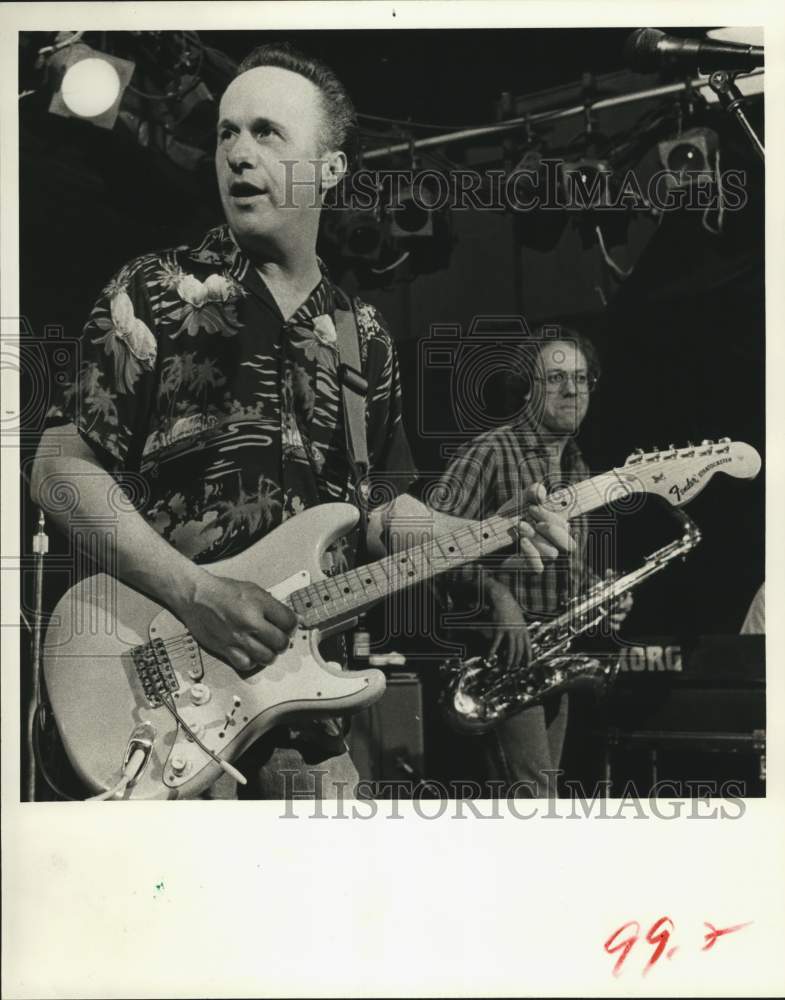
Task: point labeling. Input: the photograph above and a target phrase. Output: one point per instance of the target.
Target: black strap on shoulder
(354, 390)
(354, 387)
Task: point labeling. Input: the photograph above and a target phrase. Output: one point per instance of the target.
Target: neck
(288, 257)
(298, 276)
(290, 271)
(558, 444)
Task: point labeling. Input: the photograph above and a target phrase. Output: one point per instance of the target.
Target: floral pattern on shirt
(191, 377)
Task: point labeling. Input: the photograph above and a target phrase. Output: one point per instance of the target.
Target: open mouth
(242, 189)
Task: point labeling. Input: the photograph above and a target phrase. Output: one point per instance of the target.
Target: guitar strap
(354, 389)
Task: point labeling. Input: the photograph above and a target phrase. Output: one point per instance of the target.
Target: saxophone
(479, 692)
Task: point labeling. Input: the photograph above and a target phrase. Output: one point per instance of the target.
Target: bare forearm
(406, 521)
(85, 501)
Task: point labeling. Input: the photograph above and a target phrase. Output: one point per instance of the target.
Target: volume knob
(200, 694)
(178, 764)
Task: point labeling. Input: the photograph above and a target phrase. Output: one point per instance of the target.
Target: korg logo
(650, 659)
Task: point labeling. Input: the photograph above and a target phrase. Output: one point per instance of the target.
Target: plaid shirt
(497, 467)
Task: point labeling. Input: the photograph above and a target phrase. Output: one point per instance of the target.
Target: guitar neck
(349, 594)
(587, 495)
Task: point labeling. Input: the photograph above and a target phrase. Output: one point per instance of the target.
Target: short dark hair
(518, 381)
(340, 117)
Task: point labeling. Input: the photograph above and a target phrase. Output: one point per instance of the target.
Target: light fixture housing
(358, 235)
(688, 156)
(413, 216)
(90, 84)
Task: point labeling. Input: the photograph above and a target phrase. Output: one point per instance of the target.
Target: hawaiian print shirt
(232, 417)
(228, 418)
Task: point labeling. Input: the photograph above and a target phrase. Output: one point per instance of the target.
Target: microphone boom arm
(731, 98)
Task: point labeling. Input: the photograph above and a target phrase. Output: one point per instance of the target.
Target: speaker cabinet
(386, 740)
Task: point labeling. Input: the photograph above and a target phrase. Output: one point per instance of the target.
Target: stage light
(531, 193)
(586, 183)
(414, 215)
(421, 226)
(91, 84)
(689, 156)
(90, 87)
(357, 235)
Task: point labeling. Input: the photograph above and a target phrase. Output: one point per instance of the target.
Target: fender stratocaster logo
(692, 481)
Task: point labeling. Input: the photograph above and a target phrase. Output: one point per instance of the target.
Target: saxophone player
(550, 389)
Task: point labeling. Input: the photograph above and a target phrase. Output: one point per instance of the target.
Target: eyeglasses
(556, 380)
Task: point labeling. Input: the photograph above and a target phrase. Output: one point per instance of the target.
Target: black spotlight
(355, 234)
(689, 156)
(531, 191)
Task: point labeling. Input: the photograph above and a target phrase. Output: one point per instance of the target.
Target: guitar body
(104, 635)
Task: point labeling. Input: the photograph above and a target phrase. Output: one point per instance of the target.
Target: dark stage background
(682, 338)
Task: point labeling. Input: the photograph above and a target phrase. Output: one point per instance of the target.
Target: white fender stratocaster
(122, 673)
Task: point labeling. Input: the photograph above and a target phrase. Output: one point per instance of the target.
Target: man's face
(561, 407)
(268, 115)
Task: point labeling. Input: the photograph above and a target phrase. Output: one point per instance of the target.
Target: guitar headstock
(679, 474)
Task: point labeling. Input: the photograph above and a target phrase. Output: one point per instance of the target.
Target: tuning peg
(636, 456)
(724, 441)
(690, 444)
(706, 442)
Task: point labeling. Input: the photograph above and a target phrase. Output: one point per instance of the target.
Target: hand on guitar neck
(542, 534)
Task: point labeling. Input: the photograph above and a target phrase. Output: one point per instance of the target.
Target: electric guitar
(125, 678)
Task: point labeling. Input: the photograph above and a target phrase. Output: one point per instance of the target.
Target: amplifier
(386, 740)
(689, 709)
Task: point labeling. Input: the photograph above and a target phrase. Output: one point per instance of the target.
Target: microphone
(649, 48)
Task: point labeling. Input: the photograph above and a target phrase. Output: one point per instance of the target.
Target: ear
(333, 168)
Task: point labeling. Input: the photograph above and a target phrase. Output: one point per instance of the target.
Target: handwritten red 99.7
(658, 936)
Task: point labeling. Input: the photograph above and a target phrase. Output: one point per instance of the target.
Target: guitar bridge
(155, 671)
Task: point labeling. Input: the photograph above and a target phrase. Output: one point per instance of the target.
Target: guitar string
(461, 535)
(579, 491)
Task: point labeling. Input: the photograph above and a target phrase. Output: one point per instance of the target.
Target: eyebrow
(255, 124)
